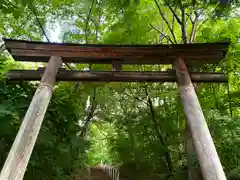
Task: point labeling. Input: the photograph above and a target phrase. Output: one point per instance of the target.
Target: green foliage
(59, 151)
(135, 126)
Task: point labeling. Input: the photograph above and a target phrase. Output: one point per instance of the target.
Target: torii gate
(179, 55)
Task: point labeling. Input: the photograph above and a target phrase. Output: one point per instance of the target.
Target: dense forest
(138, 127)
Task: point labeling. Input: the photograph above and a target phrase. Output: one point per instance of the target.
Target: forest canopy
(138, 127)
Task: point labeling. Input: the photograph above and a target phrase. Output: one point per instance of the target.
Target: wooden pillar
(19, 155)
(116, 65)
(206, 152)
(194, 173)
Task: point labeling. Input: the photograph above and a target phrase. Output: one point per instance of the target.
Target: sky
(54, 30)
(55, 35)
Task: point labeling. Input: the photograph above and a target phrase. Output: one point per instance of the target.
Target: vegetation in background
(138, 127)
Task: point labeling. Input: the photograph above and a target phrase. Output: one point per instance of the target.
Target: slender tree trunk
(159, 135)
(183, 25)
(90, 115)
(194, 29)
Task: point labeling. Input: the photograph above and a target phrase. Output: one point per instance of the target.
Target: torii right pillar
(210, 164)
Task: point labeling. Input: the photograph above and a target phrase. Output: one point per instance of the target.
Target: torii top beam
(202, 53)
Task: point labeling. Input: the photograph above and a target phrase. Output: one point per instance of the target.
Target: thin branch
(200, 25)
(87, 21)
(39, 23)
(183, 24)
(189, 16)
(69, 67)
(173, 21)
(173, 12)
(159, 132)
(164, 35)
(2, 48)
(157, 128)
(99, 20)
(194, 29)
(166, 21)
(229, 99)
(191, 13)
(90, 115)
(136, 98)
(162, 30)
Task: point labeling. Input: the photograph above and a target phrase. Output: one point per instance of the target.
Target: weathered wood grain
(115, 76)
(206, 152)
(19, 155)
(194, 172)
(18, 44)
(125, 60)
(114, 54)
(105, 54)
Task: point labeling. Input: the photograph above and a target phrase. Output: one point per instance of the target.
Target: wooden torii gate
(179, 55)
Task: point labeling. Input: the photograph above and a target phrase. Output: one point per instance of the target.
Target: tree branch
(194, 29)
(87, 21)
(158, 129)
(173, 12)
(90, 115)
(189, 16)
(99, 20)
(159, 134)
(164, 35)
(200, 25)
(2, 48)
(166, 21)
(173, 21)
(39, 23)
(183, 24)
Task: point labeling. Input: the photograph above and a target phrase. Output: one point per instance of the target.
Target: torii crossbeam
(179, 55)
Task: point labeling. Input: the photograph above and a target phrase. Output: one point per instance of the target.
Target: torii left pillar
(16, 163)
